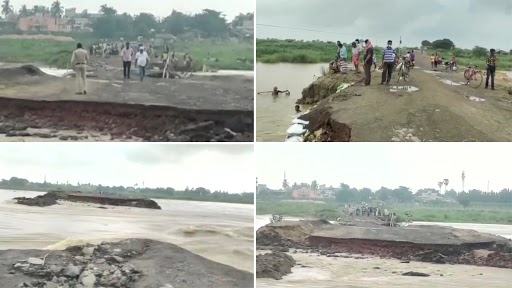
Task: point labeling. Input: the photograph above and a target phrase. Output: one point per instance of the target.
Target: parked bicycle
(473, 77)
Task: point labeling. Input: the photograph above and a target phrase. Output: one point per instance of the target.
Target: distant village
(321, 192)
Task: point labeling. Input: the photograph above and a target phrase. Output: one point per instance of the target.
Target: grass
(466, 58)
(296, 51)
(484, 214)
(58, 54)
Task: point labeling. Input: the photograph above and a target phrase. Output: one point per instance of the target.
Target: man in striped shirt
(388, 63)
(491, 69)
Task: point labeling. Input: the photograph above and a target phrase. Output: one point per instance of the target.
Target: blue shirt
(343, 52)
(389, 55)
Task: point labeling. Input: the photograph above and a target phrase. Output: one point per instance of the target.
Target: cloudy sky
(466, 22)
(231, 8)
(374, 165)
(216, 167)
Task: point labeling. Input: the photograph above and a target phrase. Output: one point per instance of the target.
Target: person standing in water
(142, 61)
(79, 61)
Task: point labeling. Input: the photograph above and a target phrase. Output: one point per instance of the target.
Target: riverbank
(213, 54)
(130, 263)
(452, 214)
(297, 51)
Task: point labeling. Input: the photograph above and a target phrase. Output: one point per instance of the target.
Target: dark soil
(124, 121)
(274, 265)
(51, 198)
(465, 246)
(133, 263)
(325, 129)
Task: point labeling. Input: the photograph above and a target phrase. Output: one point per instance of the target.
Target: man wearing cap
(142, 61)
(79, 62)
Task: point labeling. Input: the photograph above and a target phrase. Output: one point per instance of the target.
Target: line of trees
(197, 194)
(208, 23)
(346, 194)
(447, 44)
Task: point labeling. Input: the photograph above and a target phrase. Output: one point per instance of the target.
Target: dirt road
(437, 112)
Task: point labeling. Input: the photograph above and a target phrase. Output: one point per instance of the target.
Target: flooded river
(274, 114)
(325, 272)
(217, 231)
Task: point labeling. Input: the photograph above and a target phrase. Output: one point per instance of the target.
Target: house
(430, 196)
(81, 24)
(9, 23)
(161, 39)
(305, 193)
(43, 23)
(70, 13)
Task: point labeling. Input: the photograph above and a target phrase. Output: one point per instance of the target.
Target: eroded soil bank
(133, 263)
(123, 121)
(423, 243)
(52, 197)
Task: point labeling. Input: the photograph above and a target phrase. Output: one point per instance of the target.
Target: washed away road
(442, 110)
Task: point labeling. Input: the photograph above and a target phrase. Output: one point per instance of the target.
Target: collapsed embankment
(52, 197)
(435, 244)
(125, 121)
(321, 127)
(133, 263)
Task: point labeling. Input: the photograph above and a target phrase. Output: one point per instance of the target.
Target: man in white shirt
(127, 55)
(142, 61)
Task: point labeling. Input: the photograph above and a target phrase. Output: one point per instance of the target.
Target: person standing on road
(355, 57)
(388, 63)
(79, 61)
(412, 57)
(491, 69)
(343, 52)
(142, 61)
(368, 62)
(127, 54)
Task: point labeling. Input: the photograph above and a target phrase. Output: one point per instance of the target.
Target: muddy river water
(323, 272)
(218, 231)
(274, 114)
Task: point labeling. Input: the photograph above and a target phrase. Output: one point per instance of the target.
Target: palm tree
(440, 184)
(56, 10)
(446, 182)
(7, 8)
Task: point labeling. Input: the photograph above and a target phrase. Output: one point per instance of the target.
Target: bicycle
(471, 75)
(403, 70)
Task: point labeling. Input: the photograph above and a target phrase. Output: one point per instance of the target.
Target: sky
(231, 8)
(467, 23)
(215, 167)
(374, 165)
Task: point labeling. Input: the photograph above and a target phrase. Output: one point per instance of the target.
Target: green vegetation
(194, 194)
(206, 35)
(476, 213)
(472, 206)
(298, 51)
(466, 57)
(58, 54)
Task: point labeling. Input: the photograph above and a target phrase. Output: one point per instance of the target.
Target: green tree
(464, 201)
(107, 11)
(57, 10)
(426, 43)
(212, 23)
(239, 20)
(446, 44)
(24, 11)
(144, 23)
(176, 23)
(7, 8)
(314, 185)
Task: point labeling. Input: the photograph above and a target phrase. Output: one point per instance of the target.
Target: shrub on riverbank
(297, 51)
(58, 53)
(476, 213)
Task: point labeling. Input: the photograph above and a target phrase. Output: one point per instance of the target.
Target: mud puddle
(404, 88)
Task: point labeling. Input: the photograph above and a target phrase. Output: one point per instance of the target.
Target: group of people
(141, 59)
(80, 58)
(368, 60)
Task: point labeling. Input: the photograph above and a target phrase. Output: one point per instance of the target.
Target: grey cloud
(177, 153)
(467, 22)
